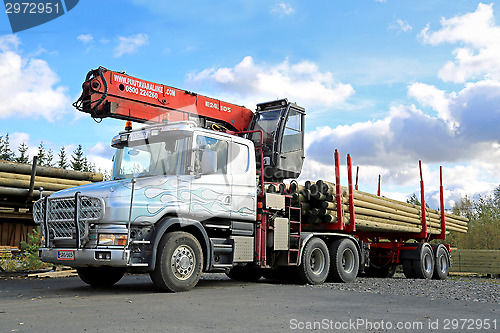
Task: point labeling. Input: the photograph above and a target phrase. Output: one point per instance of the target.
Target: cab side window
(220, 148)
(292, 137)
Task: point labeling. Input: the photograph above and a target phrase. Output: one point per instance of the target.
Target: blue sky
(390, 82)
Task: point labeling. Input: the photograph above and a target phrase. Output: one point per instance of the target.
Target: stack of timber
(16, 180)
(372, 213)
(20, 186)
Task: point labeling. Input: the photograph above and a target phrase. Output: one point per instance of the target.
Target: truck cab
(174, 176)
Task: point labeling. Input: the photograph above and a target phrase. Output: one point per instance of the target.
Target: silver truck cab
(171, 171)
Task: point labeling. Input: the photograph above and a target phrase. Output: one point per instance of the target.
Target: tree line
(77, 161)
(484, 222)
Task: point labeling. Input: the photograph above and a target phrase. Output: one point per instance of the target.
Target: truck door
(211, 184)
(243, 184)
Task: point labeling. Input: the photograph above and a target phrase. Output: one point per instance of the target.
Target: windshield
(267, 122)
(166, 157)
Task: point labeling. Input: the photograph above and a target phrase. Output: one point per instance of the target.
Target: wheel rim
(317, 261)
(427, 263)
(443, 263)
(348, 260)
(183, 262)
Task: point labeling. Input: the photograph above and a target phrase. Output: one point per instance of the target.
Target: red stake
(378, 191)
(441, 199)
(338, 191)
(423, 234)
(352, 223)
(357, 172)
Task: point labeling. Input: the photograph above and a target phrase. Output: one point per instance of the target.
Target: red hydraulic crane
(115, 94)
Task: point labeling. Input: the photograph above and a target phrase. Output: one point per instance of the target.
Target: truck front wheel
(315, 262)
(104, 276)
(179, 262)
(344, 260)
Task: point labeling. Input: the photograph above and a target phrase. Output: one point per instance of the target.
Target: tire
(387, 271)
(408, 269)
(104, 276)
(344, 260)
(179, 262)
(442, 264)
(424, 266)
(315, 262)
(244, 274)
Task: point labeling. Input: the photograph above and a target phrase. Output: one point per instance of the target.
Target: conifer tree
(5, 151)
(23, 154)
(63, 160)
(77, 159)
(42, 155)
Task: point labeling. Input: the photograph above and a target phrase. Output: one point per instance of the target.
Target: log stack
(318, 201)
(16, 180)
(19, 187)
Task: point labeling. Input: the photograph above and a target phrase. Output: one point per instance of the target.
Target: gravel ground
(473, 289)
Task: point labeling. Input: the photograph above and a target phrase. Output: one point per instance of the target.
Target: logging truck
(202, 185)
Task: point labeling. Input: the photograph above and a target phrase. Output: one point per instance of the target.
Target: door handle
(227, 200)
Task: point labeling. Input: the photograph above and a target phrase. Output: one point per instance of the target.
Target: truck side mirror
(208, 162)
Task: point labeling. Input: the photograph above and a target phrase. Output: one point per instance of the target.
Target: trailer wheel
(442, 265)
(104, 276)
(424, 266)
(315, 262)
(245, 274)
(178, 262)
(344, 260)
(408, 269)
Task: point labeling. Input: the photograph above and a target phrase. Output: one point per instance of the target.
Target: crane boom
(113, 94)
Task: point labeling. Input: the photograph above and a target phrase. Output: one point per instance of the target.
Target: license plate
(65, 254)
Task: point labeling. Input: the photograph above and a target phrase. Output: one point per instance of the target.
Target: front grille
(61, 214)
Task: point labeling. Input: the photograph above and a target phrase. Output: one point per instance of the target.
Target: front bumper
(86, 257)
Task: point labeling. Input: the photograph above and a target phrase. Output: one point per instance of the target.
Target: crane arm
(113, 94)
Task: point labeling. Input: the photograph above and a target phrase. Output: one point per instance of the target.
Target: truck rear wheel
(179, 262)
(344, 260)
(442, 264)
(104, 276)
(424, 266)
(315, 262)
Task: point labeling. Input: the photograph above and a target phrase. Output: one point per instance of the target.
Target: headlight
(112, 239)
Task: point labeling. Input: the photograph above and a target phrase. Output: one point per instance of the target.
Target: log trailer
(199, 188)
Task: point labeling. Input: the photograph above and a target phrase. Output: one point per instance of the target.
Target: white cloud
(252, 82)
(283, 8)
(429, 95)
(480, 54)
(130, 44)
(391, 146)
(400, 26)
(85, 38)
(462, 134)
(28, 86)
